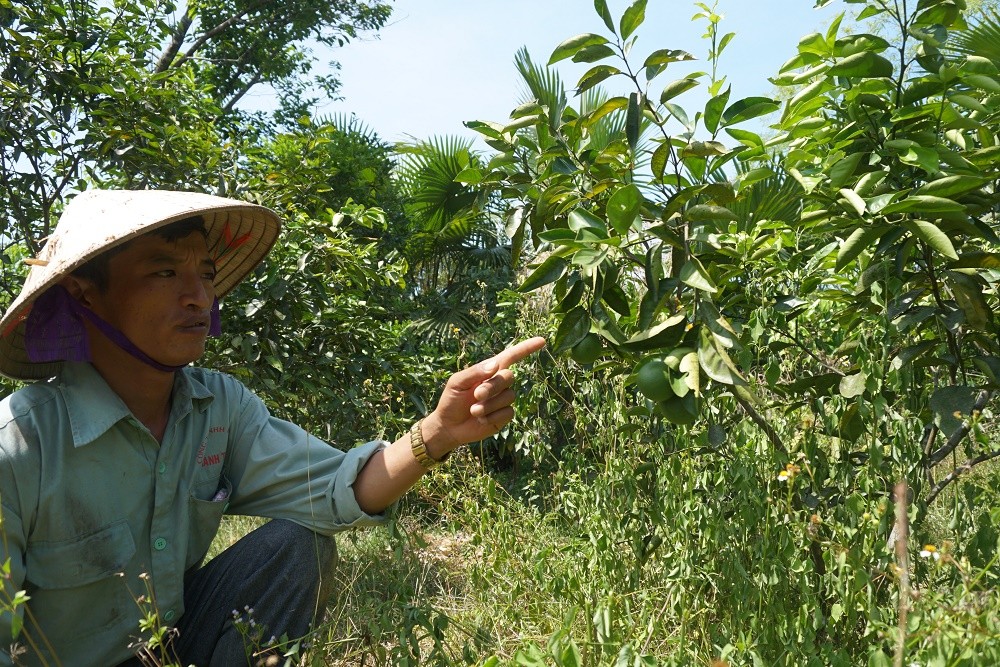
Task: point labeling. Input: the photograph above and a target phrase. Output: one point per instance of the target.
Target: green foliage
(455, 246)
(835, 283)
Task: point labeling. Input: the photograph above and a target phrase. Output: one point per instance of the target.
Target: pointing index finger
(516, 353)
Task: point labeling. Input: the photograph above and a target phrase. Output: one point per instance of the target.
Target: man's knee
(297, 547)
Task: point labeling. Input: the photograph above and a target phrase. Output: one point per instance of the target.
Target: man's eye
(166, 273)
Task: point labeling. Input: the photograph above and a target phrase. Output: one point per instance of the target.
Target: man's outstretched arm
(475, 404)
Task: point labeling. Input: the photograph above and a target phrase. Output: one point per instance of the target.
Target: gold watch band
(420, 450)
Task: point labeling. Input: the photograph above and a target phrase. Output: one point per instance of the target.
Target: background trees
(764, 314)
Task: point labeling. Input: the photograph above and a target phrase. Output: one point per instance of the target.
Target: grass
(641, 546)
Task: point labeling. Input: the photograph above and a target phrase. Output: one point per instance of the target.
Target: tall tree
(142, 94)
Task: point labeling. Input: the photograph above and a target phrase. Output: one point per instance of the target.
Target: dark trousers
(275, 581)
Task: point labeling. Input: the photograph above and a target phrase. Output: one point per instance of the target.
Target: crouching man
(117, 465)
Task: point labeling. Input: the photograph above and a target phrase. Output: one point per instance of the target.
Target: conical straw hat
(239, 236)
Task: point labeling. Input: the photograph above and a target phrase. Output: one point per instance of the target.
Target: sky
(438, 63)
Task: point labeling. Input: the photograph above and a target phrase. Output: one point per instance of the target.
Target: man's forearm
(394, 470)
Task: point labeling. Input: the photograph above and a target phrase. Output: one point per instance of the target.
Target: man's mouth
(195, 322)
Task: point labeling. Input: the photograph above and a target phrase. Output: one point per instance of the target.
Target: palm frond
(980, 39)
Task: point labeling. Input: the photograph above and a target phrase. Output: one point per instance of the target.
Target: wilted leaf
(853, 385)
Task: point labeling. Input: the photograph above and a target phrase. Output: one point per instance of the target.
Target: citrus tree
(831, 280)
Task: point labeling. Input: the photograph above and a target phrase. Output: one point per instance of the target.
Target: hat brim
(239, 236)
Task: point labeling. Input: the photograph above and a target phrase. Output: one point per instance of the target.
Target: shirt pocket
(206, 505)
(74, 586)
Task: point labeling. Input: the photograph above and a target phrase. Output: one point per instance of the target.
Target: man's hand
(476, 402)
(475, 405)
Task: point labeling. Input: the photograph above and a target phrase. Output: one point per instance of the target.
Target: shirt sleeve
(278, 470)
(15, 481)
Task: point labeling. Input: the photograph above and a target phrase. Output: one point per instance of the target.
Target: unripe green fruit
(673, 359)
(678, 410)
(587, 350)
(653, 380)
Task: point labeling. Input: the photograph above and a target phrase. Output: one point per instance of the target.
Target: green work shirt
(91, 501)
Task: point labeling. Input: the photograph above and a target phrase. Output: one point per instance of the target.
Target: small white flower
(930, 551)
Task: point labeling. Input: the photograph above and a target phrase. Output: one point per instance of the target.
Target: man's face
(160, 295)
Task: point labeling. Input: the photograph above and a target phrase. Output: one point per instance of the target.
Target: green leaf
(594, 76)
(952, 406)
(923, 204)
(572, 45)
(590, 54)
(748, 108)
(859, 43)
(695, 275)
(870, 11)
(658, 162)
(632, 18)
(951, 185)
(580, 219)
(865, 64)
(691, 371)
(968, 102)
(664, 334)
(754, 176)
(703, 149)
(983, 82)
(612, 105)
(601, 6)
(713, 110)
(573, 328)
(709, 213)
(623, 208)
(860, 239)
(932, 235)
(969, 294)
(632, 116)
(745, 137)
(843, 169)
(547, 272)
(665, 56)
(855, 200)
(675, 88)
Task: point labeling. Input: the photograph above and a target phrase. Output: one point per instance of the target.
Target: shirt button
(160, 544)
(162, 468)
(168, 615)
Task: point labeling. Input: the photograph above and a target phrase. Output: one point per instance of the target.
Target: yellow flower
(790, 471)
(930, 551)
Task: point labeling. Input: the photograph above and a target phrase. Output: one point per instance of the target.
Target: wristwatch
(420, 450)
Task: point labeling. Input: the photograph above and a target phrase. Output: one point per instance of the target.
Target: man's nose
(198, 292)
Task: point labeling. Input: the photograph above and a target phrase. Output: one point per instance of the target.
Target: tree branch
(180, 33)
(756, 417)
(958, 472)
(225, 25)
(962, 431)
(257, 78)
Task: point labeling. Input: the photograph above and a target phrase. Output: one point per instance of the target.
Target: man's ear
(78, 288)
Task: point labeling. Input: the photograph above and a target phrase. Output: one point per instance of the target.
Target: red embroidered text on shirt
(213, 459)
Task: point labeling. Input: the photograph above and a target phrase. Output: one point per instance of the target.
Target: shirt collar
(93, 407)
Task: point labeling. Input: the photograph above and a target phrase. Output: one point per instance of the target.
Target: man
(116, 469)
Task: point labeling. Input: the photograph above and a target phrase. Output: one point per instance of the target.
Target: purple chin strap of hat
(54, 331)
